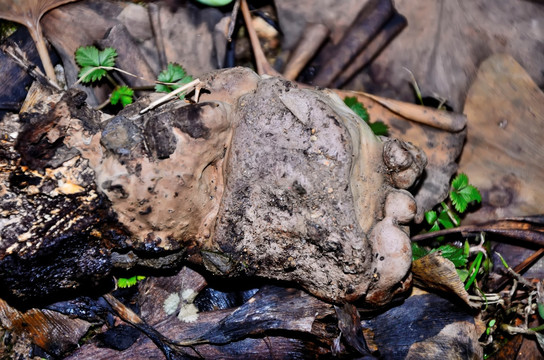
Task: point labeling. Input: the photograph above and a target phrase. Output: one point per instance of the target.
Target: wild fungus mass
(259, 178)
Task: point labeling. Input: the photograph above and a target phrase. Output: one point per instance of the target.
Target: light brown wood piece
(312, 38)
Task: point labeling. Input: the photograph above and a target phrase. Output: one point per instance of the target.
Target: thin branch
(19, 57)
(171, 95)
(517, 276)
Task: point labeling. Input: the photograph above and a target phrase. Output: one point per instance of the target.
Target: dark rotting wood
(364, 28)
(389, 31)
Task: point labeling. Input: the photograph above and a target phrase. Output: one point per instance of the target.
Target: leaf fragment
(128, 282)
(436, 272)
(123, 94)
(377, 127)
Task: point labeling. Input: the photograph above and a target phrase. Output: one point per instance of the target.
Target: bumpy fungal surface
(305, 193)
(258, 178)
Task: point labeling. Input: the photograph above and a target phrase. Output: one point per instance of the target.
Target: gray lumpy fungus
(259, 178)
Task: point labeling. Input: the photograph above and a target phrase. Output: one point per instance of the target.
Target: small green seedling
(461, 195)
(95, 65)
(172, 78)
(378, 127)
(128, 282)
(124, 94)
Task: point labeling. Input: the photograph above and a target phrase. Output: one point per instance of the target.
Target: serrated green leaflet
(175, 75)
(430, 217)
(128, 282)
(462, 193)
(123, 94)
(460, 181)
(458, 201)
(357, 108)
(89, 58)
(379, 128)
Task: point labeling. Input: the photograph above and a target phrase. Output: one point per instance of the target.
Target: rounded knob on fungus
(393, 258)
(401, 206)
(395, 156)
(404, 161)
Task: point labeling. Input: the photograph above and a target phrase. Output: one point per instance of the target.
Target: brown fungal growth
(259, 178)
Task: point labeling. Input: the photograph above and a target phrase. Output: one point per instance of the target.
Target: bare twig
(522, 229)
(263, 66)
(313, 36)
(19, 57)
(155, 20)
(233, 17)
(193, 84)
(517, 276)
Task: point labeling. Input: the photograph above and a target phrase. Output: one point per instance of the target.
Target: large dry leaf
(27, 12)
(436, 272)
(504, 156)
(445, 41)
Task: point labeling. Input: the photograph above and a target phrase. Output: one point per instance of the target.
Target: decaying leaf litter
(444, 165)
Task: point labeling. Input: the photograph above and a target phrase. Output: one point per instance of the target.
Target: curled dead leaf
(436, 272)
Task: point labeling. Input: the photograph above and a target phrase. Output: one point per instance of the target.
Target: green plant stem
(103, 105)
(112, 80)
(450, 213)
(537, 329)
(473, 270)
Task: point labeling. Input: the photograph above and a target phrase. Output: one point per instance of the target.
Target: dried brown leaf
(436, 272)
